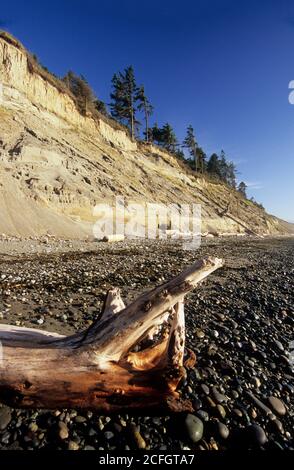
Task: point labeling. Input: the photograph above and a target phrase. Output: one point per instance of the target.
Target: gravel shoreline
(240, 323)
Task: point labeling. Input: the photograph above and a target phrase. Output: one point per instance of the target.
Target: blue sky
(224, 66)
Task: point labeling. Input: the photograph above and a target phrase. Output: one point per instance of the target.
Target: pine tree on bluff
(84, 95)
(145, 106)
(213, 166)
(155, 134)
(201, 158)
(222, 169)
(68, 79)
(227, 170)
(231, 174)
(124, 97)
(81, 90)
(100, 106)
(118, 105)
(165, 137)
(191, 144)
(131, 97)
(242, 189)
(168, 137)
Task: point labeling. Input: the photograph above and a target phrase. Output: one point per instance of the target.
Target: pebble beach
(239, 324)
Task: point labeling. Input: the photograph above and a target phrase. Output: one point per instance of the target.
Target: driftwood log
(98, 368)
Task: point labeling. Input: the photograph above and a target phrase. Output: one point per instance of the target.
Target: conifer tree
(169, 140)
(82, 91)
(124, 97)
(231, 174)
(191, 144)
(165, 137)
(242, 189)
(201, 158)
(100, 106)
(156, 134)
(213, 165)
(85, 94)
(223, 169)
(146, 107)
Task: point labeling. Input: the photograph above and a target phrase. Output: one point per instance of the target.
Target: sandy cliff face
(22, 85)
(55, 165)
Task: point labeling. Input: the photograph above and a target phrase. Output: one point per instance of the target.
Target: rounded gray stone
(277, 405)
(194, 427)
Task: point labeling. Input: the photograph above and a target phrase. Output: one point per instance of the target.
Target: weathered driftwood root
(97, 368)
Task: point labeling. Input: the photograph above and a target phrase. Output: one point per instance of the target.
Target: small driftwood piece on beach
(96, 368)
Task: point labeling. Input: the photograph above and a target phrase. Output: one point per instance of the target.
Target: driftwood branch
(99, 368)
